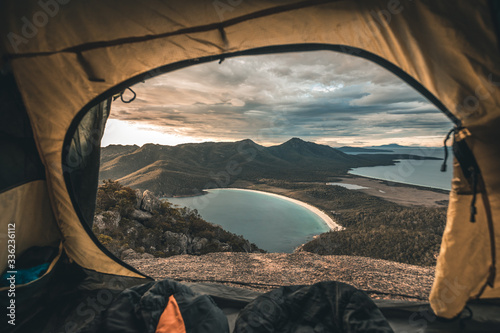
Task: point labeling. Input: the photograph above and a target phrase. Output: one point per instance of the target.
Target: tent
(62, 61)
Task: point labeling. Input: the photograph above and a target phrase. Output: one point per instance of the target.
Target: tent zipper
(468, 164)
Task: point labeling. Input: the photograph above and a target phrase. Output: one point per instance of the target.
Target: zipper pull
(443, 166)
(473, 210)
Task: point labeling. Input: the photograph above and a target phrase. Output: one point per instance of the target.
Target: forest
(376, 228)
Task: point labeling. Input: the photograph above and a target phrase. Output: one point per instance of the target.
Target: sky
(322, 96)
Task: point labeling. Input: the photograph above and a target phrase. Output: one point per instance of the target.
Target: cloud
(323, 96)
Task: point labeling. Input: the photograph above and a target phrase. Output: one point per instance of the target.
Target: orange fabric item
(171, 319)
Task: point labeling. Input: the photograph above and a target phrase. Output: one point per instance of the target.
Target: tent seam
(203, 28)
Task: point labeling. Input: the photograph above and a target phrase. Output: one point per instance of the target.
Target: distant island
(392, 146)
(349, 149)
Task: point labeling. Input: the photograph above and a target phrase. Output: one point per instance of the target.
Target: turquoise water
(416, 172)
(272, 223)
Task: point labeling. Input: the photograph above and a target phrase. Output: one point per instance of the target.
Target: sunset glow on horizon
(323, 97)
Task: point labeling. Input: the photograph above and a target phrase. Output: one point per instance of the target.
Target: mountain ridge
(191, 167)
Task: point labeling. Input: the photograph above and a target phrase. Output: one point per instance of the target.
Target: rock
(140, 215)
(147, 256)
(181, 244)
(98, 222)
(132, 232)
(150, 202)
(247, 246)
(176, 243)
(108, 220)
(138, 196)
(197, 244)
(118, 252)
(130, 254)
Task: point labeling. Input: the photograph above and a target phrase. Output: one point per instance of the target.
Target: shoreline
(334, 226)
(400, 193)
(400, 184)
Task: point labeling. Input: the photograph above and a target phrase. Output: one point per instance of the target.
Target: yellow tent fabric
(67, 55)
(26, 210)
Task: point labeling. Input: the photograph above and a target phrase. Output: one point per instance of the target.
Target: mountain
(297, 150)
(189, 168)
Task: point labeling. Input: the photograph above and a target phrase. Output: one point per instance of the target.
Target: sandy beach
(327, 219)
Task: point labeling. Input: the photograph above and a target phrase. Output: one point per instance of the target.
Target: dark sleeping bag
(162, 306)
(319, 308)
(170, 307)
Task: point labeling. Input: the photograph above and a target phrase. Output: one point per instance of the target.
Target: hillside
(132, 225)
(377, 228)
(189, 168)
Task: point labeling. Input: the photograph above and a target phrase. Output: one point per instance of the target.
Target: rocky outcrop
(247, 246)
(138, 195)
(176, 243)
(183, 244)
(145, 231)
(150, 202)
(146, 239)
(108, 220)
(130, 254)
(197, 244)
(141, 215)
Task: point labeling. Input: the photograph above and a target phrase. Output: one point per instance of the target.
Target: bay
(273, 223)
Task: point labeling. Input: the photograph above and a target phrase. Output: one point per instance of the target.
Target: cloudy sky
(324, 97)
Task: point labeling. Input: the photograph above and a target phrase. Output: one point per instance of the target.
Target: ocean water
(415, 172)
(272, 223)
